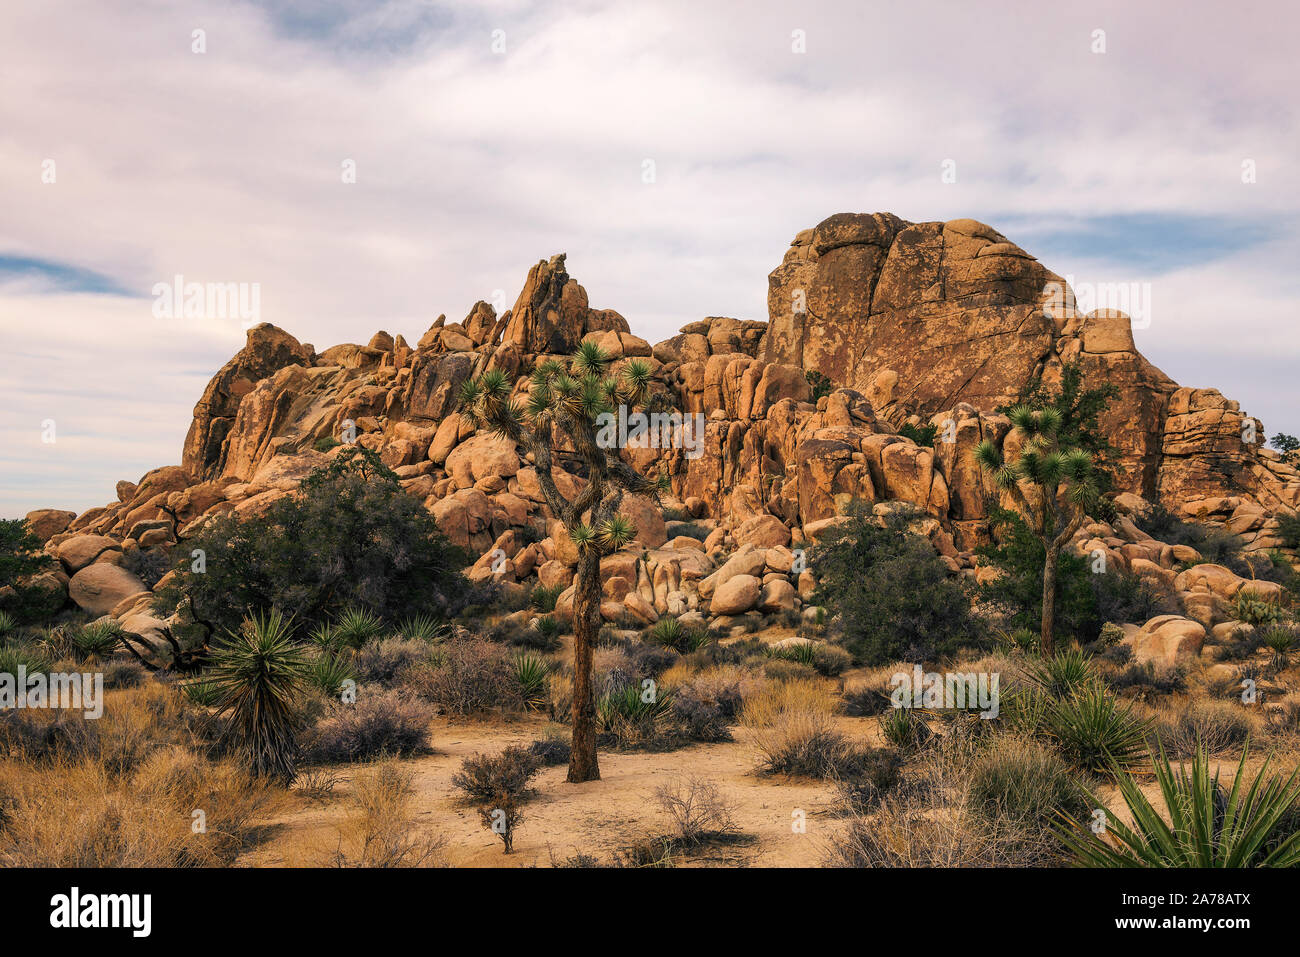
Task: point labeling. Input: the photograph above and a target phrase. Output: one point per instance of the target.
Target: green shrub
(1093, 732)
(1250, 823)
(673, 634)
(818, 384)
(1213, 726)
(891, 593)
(922, 435)
(1063, 673)
(328, 672)
(1254, 610)
(95, 641)
(532, 671)
(543, 597)
(1019, 779)
(21, 556)
(422, 627)
(905, 730)
(351, 537)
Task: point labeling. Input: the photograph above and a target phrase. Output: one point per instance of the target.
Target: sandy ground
(596, 818)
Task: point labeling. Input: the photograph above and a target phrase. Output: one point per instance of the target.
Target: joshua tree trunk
(583, 765)
(1049, 599)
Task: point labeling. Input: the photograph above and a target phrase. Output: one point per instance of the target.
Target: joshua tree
(1062, 485)
(567, 404)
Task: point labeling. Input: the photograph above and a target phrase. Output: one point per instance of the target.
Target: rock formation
(919, 322)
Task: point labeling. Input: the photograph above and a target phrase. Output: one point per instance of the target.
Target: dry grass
(380, 831)
(792, 726)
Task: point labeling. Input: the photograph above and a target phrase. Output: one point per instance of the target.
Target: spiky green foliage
(356, 625)
(96, 640)
(328, 672)
(260, 673)
(1063, 673)
(8, 625)
(532, 671)
(203, 692)
(1205, 823)
(422, 627)
(13, 656)
(683, 639)
(1094, 732)
(543, 597)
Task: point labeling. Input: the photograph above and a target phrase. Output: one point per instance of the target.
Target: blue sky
(488, 136)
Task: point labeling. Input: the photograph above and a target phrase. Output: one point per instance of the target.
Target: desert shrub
(792, 728)
(487, 778)
(726, 685)
(120, 673)
(1094, 732)
(830, 660)
(503, 818)
(95, 641)
(380, 831)
(12, 657)
(1215, 726)
(650, 660)
(922, 435)
(1280, 639)
(79, 813)
(865, 780)
(819, 385)
(355, 625)
(866, 699)
(1157, 678)
(543, 597)
(552, 749)
(543, 633)
(1021, 779)
(1204, 823)
(905, 729)
(380, 722)
(632, 715)
(701, 717)
(783, 669)
(21, 556)
(803, 653)
(350, 537)
(148, 564)
(890, 592)
(697, 809)
(1288, 529)
(384, 660)
(259, 672)
(469, 677)
(422, 627)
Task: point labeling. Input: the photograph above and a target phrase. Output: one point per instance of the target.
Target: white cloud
(225, 166)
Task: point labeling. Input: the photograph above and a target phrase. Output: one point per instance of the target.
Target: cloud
(225, 166)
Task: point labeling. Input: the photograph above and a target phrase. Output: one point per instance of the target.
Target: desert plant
(1025, 781)
(21, 557)
(697, 809)
(1256, 610)
(387, 659)
(422, 627)
(351, 537)
(259, 672)
(1209, 725)
(8, 625)
(543, 597)
(818, 384)
(503, 818)
(328, 673)
(905, 729)
(1062, 673)
(356, 625)
(380, 722)
(487, 778)
(469, 677)
(792, 728)
(671, 633)
(381, 830)
(1205, 824)
(1055, 468)
(1279, 639)
(96, 641)
(633, 713)
(578, 403)
(892, 595)
(531, 672)
(1093, 732)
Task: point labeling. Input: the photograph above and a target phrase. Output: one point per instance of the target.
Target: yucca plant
(95, 641)
(532, 671)
(1279, 639)
(631, 711)
(13, 656)
(326, 637)
(259, 672)
(1063, 673)
(422, 628)
(548, 630)
(8, 625)
(543, 597)
(1051, 469)
(804, 653)
(1252, 823)
(575, 403)
(675, 635)
(203, 692)
(905, 729)
(328, 672)
(1094, 732)
(355, 626)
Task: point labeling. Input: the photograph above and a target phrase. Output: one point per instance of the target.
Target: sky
(371, 165)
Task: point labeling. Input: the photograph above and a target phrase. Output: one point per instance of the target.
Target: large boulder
(99, 588)
(1168, 640)
(81, 550)
(736, 595)
(45, 523)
